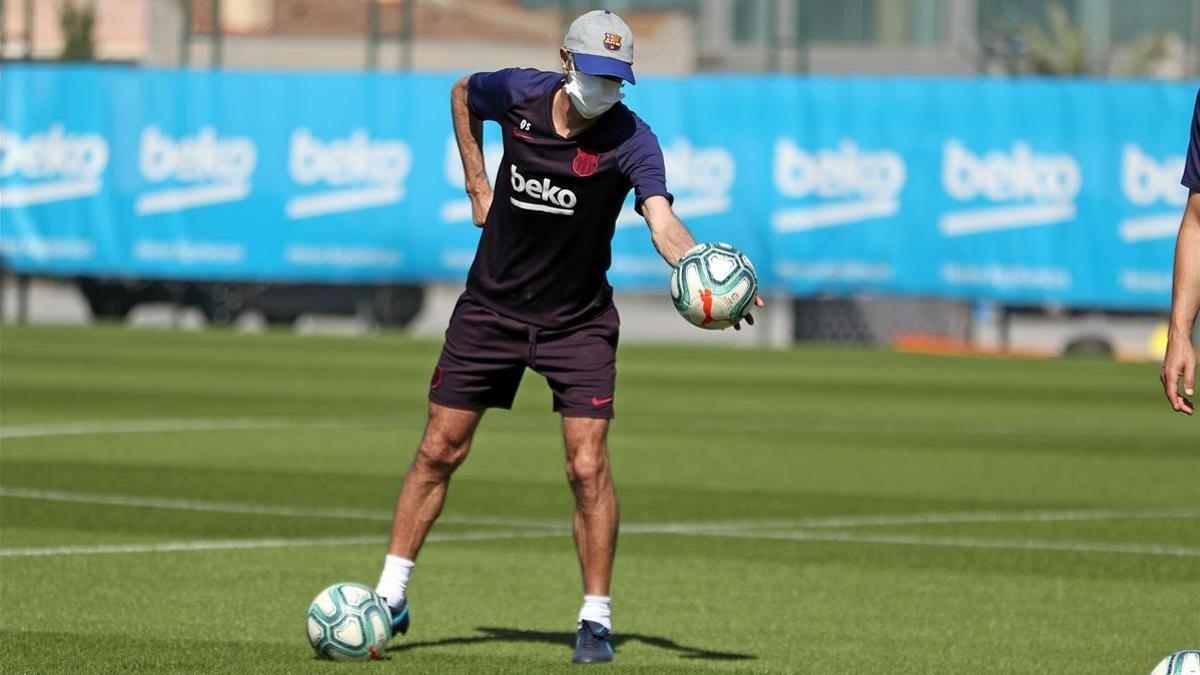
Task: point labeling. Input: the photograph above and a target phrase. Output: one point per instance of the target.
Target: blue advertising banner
(1034, 190)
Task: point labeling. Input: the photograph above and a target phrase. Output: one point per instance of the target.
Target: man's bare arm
(1180, 360)
(468, 132)
(672, 238)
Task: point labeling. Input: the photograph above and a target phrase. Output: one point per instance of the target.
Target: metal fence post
(1194, 40)
(28, 30)
(177, 292)
(372, 34)
(1005, 328)
(216, 33)
(774, 62)
(22, 299)
(3, 289)
(185, 36)
(406, 34)
(800, 39)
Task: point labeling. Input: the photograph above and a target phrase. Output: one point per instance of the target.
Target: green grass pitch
(172, 501)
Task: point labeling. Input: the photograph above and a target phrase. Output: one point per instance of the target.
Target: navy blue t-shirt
(546, 246)
(1191, 166)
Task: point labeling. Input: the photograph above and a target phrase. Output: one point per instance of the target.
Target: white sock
(597, 608)
(394, 580)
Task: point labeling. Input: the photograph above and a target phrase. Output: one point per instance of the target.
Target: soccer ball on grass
(1186, 662)
(348, 622)
(714, 285)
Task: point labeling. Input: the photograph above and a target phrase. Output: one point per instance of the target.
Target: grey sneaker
(593, 644)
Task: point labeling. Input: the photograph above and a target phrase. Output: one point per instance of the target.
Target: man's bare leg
(444, 446)
(596, 509)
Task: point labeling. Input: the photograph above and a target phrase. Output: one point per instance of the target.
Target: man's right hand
(1179, 363)
(481, 203)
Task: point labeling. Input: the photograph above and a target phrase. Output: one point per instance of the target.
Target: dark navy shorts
(486, 354)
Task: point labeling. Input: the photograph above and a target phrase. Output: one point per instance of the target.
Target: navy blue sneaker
(593, 644)
(399, 618)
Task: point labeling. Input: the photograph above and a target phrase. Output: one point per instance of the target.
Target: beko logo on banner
(1153, 187)
(54, 166)
(1033, 189)
(701, 179)
(848, 184)
(203, 170)
(356, 172)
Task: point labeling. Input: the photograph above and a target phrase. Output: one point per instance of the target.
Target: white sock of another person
(393, 582)
(597, 608)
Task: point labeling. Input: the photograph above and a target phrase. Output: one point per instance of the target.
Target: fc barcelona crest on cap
(585, 162)
(612, 42)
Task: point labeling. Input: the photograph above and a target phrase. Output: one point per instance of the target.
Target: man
(537, 295)
(1180, 360)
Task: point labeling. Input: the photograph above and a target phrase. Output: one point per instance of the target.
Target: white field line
(957, 517)
(960, 542)
(948, 518)
(54, 429)
(837, 537)
(256, 509)
(232, 544)
(741, 529)
(177, 425)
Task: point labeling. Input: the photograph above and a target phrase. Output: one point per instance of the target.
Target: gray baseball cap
(601, 44)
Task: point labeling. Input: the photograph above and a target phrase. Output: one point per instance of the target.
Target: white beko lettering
(204, 169)
(344, 161)
(556, 199)
(54, 166)
(1023, 188)
(1152, 187)
(700, 178)
(844, 172)
(191, 159)
(351, 173)
(844, 185)
(1004, 177)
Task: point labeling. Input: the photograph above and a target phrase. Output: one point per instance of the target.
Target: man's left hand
(1179, 363)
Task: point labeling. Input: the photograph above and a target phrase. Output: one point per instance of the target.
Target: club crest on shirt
(585, 162)
(612, 42)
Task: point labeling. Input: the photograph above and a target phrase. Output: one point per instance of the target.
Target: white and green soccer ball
(349, 622)
(1186, 662)
(714, 285)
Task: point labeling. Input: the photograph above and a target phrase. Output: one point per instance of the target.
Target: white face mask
(592, 95)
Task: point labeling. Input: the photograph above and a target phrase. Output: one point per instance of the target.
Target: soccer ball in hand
(714, 285)
(349, 622)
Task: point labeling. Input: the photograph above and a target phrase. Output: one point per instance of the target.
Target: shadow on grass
(568, 639)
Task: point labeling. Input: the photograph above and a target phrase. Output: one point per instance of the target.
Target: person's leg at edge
(597, 513)
(444, 446)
